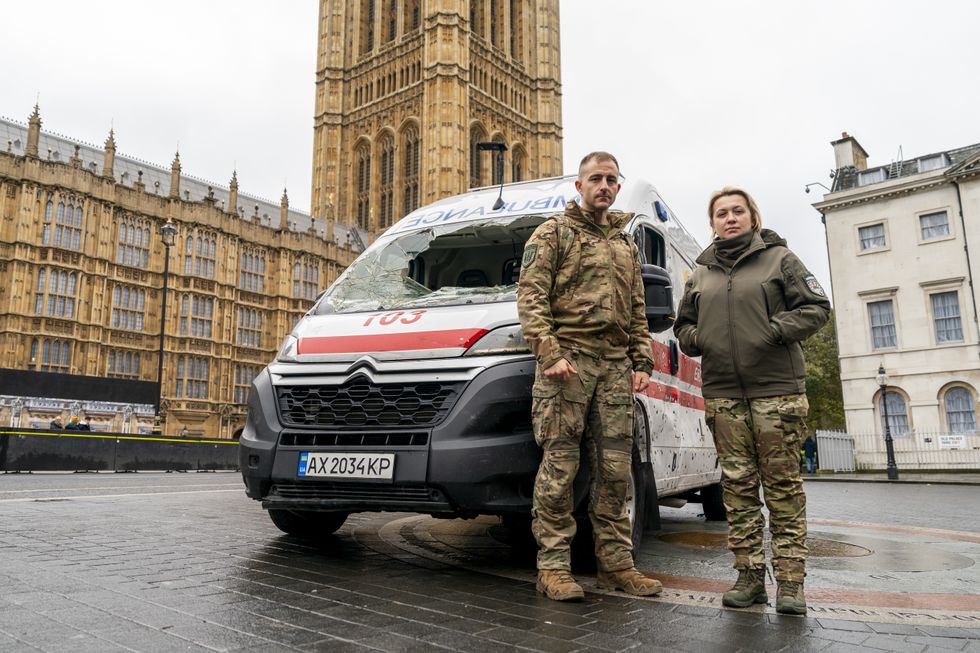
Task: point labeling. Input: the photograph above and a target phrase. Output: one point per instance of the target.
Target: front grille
(358, 403)
(354, 439)
(357, 492)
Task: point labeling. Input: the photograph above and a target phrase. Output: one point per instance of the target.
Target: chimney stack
(849, 153)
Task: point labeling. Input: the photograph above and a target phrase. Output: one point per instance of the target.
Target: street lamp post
(882, 380)
(168, 233)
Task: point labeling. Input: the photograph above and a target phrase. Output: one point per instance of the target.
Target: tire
(712, 504)
(309, 525)
(518, 533)
(637, 509)
(636, 498)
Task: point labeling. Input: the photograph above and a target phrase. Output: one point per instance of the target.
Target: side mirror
(659, 297)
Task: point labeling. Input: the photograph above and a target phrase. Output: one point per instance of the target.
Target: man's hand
(641, 381)
(560, 371)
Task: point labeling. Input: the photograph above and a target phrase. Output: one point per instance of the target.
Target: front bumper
(481, 459)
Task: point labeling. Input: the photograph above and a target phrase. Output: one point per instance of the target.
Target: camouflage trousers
(597, 405)
(759, 439)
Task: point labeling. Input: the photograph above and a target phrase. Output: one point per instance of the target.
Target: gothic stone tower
(406, 88)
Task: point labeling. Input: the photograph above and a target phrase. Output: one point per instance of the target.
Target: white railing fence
(923, 450)
(835, 451)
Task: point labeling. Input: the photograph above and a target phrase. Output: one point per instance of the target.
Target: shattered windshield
(470, 263)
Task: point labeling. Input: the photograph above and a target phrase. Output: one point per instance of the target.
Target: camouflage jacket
(746, 322)
(580, 289)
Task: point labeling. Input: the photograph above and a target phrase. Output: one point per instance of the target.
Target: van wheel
(308, 524)
(518, 533)
(636, 498)
(637, 510)
(712, 504)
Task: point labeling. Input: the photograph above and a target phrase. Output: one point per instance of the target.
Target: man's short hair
(596, 156)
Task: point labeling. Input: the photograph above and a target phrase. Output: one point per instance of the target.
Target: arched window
(410, 173)
(55, 356)
(56, 298)
(386, 150)
(196, 316)
(497, 171)
(477, 135)
(192, 377)
(898, 416)
(961, 416)
(497, 22)
(48, 215)
(189, 255)
(367, 25)
(391, 19)
(477, 19)
(413, 14)
(134, 243)
(517, 30)
(517, 162)
(199, 255)
(67, 231)
(363, 163)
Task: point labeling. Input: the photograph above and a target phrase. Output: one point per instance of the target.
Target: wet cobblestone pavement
(165, 562)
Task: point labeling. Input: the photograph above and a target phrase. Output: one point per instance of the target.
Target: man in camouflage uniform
(745, 311)
(581, 304)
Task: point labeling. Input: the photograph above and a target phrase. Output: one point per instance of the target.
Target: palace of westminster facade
(404, 91)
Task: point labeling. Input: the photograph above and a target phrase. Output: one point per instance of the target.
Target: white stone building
(904, 248)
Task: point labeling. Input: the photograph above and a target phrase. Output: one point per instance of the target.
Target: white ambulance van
(407, 386)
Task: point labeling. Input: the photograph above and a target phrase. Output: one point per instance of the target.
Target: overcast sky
(692, 96)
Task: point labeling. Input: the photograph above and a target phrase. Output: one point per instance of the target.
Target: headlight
(505, 340)
(287, 352)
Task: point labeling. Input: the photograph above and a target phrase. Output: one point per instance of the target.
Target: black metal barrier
(33, 450)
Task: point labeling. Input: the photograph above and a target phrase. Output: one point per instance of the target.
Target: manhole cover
(818, 546)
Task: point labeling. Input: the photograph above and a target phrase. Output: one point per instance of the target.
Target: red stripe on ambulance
(462, 338)
(688, 370)
(671, 395)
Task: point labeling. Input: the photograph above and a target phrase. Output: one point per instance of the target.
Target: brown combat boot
(630, 581)
(558, 585)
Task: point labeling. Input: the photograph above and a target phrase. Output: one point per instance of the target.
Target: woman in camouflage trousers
(745, 311)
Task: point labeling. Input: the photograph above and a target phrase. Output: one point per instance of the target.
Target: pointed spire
(232, 206)
(34, 132)
(109, 159)
(175, 176)
(284, 211)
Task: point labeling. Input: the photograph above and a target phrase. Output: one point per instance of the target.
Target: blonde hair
(732, 190)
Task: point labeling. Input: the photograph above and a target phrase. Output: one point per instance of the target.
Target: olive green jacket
(747, 322)
(580, 289)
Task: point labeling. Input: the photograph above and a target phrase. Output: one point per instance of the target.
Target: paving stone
(842, 636)
(895, 643)
(948, 643)
(241, 586)
(894, 629)
(607, 642)
(808, 645)
(391, 642)
(840, 624)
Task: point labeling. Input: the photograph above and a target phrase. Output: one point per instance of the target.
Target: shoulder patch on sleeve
(529, 253)
(814, 285)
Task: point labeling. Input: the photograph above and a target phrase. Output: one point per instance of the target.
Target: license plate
(346, 465)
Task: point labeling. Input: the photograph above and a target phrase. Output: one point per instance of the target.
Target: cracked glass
(445, 265)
